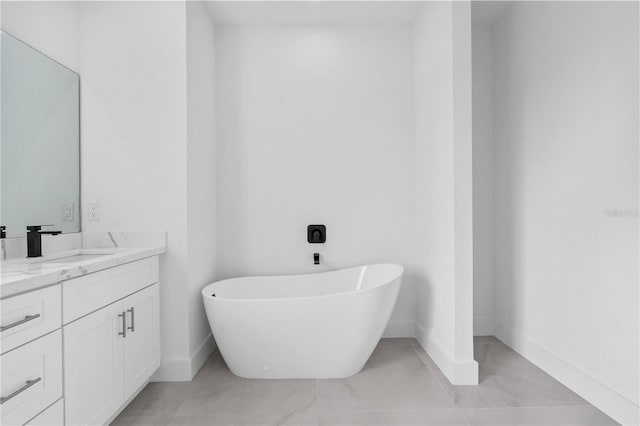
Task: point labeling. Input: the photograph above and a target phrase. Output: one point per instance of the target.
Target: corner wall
(443, 201)
(201, 175)
(483, 262)
(566, 195)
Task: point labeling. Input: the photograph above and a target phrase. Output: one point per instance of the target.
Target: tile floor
(400, 385)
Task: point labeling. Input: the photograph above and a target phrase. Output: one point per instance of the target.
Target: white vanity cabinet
(110, 354)
(31, 379)
(52, 416)
(31, 360)
(75, 352)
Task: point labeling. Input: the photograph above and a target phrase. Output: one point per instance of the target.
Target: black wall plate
(316, 234)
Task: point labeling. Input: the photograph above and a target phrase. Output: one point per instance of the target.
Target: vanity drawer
(31, 379)
(28, 316)
(91, 292)
(52, 416)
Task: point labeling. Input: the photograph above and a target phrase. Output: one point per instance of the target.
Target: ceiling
(313, 12)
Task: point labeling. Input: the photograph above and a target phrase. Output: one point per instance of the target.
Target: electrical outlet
(93, 212)
(67, 212)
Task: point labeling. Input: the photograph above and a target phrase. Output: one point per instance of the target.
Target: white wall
(566, 158)
(443, 201)
(483, 292)
(315, 125)
(48, 26)
(134, 141)
(463, 190)
(201, 173)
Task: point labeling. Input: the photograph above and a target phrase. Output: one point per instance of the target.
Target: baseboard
(400, 328)
(458, 373)
(201, 355)
(483, 326)
(184, 369)
(615, 405)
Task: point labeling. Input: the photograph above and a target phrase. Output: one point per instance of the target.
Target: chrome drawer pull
(133, 322)
(26, 386)
(123, 333)
(17, 323)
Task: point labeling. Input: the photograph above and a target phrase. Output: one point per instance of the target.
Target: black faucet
(34, 239)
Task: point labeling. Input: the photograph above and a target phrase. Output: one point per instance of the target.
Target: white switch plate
(93, 212)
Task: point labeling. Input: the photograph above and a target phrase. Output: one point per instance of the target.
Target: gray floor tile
(396, 340)
(223, 398)
(219, 420)
(443, 417)
(394, 378)
(269, 402)
(159, 399)
(167, 390)
(142, 421)
(197, 421)
(486, 340)
(506, 380)
(151, 407)
(538, 416)
(400, 385)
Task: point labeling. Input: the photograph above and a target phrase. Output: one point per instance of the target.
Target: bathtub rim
(280, 299)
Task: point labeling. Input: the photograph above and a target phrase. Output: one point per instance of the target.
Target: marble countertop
(21, 275)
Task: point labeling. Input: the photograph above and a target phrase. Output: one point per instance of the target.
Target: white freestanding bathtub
(323, 325)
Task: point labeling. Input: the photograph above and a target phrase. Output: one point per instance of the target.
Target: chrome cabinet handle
(123, 333)
(133, 322)
(17, 323)
(15, 393)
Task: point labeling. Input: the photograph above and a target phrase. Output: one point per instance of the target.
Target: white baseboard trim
(184, 369)
(201, 355)
(615, 405)
(483, 326)
(458, 372)
(400, 328)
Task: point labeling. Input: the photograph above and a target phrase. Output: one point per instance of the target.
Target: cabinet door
(93, 366)
(142, 344)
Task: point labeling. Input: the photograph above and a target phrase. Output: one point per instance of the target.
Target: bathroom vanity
(80, 334)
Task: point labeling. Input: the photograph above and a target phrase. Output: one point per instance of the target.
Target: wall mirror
(40, 140)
